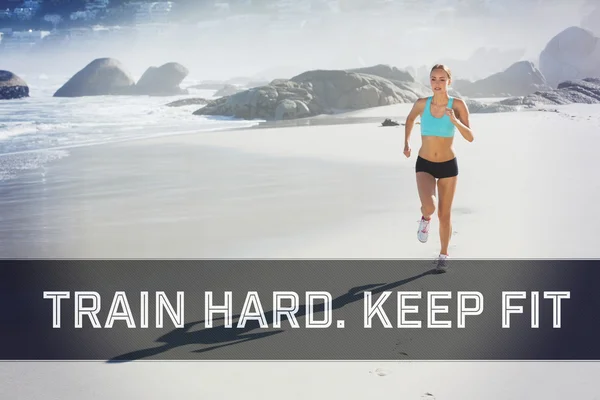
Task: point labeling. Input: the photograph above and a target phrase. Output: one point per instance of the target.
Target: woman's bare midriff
(436, 149)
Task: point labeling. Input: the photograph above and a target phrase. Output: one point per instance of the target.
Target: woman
(441, 115)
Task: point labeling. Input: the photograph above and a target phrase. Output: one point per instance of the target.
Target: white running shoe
(441, 264)
(423, 232)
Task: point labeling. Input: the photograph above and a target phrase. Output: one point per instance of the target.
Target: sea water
(42, 128)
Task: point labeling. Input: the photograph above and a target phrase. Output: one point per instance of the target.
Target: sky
(399, 33)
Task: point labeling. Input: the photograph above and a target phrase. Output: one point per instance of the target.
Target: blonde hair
(442, 67)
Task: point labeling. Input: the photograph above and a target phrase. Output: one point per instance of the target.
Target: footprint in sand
(462, 210)
(380, 372)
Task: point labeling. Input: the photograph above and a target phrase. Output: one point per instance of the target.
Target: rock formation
(572, 54)
(101, 77)
(520, 79)
(162, 81)
(12, 86)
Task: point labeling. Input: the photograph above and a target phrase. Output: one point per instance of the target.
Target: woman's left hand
(450, 113)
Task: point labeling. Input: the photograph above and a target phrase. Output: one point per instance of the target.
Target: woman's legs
(426, 187)
(446, 189)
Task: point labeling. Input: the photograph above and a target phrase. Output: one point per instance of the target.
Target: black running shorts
(438, 170)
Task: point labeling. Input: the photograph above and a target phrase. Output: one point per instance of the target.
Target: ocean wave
(49, 125)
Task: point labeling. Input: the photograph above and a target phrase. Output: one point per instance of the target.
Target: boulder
(264, 102)
(520, 79)
(103, 76)
(162, 81)
(291, 109)
(12, 87)
(572, 54)
(313, 93)
(389, 122)
(351, 90)
(385, 71)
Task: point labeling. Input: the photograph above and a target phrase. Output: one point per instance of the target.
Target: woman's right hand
(407, 150)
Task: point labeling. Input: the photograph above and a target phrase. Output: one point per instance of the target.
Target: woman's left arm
(462, 120)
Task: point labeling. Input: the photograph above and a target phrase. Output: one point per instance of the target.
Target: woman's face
(439, 81)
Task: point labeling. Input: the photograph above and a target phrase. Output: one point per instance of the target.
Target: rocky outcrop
(352, 91)
(327, 92)
(279, 100)
(313, 93)
(570, 55)
(108, 76)
(187, 102)
(162, 81)
(385, 71)
(520, 79)
(12, 87)
(586, 91)
(103, 76)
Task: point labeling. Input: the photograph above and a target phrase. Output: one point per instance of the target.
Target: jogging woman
(436, 166)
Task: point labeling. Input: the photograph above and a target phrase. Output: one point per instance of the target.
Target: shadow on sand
(220, 336)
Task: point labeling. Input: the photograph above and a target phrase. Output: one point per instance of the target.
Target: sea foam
(50, 125)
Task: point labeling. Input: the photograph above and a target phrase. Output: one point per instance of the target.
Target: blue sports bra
(432, 126)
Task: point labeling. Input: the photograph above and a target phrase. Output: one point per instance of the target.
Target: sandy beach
(527, 189)
(322, 191)
(300, 380)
